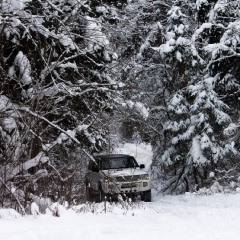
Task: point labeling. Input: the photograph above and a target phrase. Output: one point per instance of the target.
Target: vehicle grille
(129, 185)
(128, 178)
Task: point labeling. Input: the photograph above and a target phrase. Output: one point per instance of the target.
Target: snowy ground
(185, 217)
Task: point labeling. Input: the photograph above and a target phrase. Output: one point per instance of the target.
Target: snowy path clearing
(185, 217)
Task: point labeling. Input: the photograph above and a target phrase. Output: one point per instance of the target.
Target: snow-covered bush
(9, 213)
(35, 209)
(121, 207)
(55, 94)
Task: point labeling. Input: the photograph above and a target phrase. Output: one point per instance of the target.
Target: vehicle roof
(106, 156)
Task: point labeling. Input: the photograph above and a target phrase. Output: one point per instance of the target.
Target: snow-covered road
(185, 217)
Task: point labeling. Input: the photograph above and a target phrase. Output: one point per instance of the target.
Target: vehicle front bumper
(126, 187)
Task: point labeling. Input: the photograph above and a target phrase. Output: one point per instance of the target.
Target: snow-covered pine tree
(209, 148)
(181, 67)
(224, 53)
(218, 39)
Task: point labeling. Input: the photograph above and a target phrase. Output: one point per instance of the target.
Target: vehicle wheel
(146, 196)
(100, 195)
(88, 194)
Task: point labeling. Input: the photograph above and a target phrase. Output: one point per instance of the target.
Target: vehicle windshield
(115, 163)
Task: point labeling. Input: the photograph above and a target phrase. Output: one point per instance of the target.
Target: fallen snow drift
(185, 217)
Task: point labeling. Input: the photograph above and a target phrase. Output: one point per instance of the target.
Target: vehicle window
(115, 163)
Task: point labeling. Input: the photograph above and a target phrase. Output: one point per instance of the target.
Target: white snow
(66, 41)
(201, 29)
(101, 9)
(69, 65)
(184, 217)
(96, 38)
(209, 83)
(22, 63)
(9, 124)
(211, 174)
(192, 216)
(199, 3)
(5, 103)
(40, 158)
(179, 56)
(12, 5)
(231, 129)
(35, 209)
(196, 151)
(140, 107)
(7, 214)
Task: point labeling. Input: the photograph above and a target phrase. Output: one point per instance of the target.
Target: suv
(110, 175)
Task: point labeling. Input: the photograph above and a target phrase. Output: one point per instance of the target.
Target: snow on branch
(161, 3)
(21, 63)
(21, 206)
(95, 37)
(40, 158)
(65, 134)
(5, 103)
(196, 151)
(200, 30)
(54, 6)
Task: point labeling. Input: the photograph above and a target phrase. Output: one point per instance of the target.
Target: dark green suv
(111, 175)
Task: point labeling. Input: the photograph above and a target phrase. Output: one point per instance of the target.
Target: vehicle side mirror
(142, 166)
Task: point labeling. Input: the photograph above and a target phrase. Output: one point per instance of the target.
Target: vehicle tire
(88, 194)
(146, 196)
(100, 196)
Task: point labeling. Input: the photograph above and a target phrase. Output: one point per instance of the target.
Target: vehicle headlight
(109, 179)
(106, 180)
(145, 177)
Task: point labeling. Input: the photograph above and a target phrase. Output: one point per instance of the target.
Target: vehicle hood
(124, 172)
